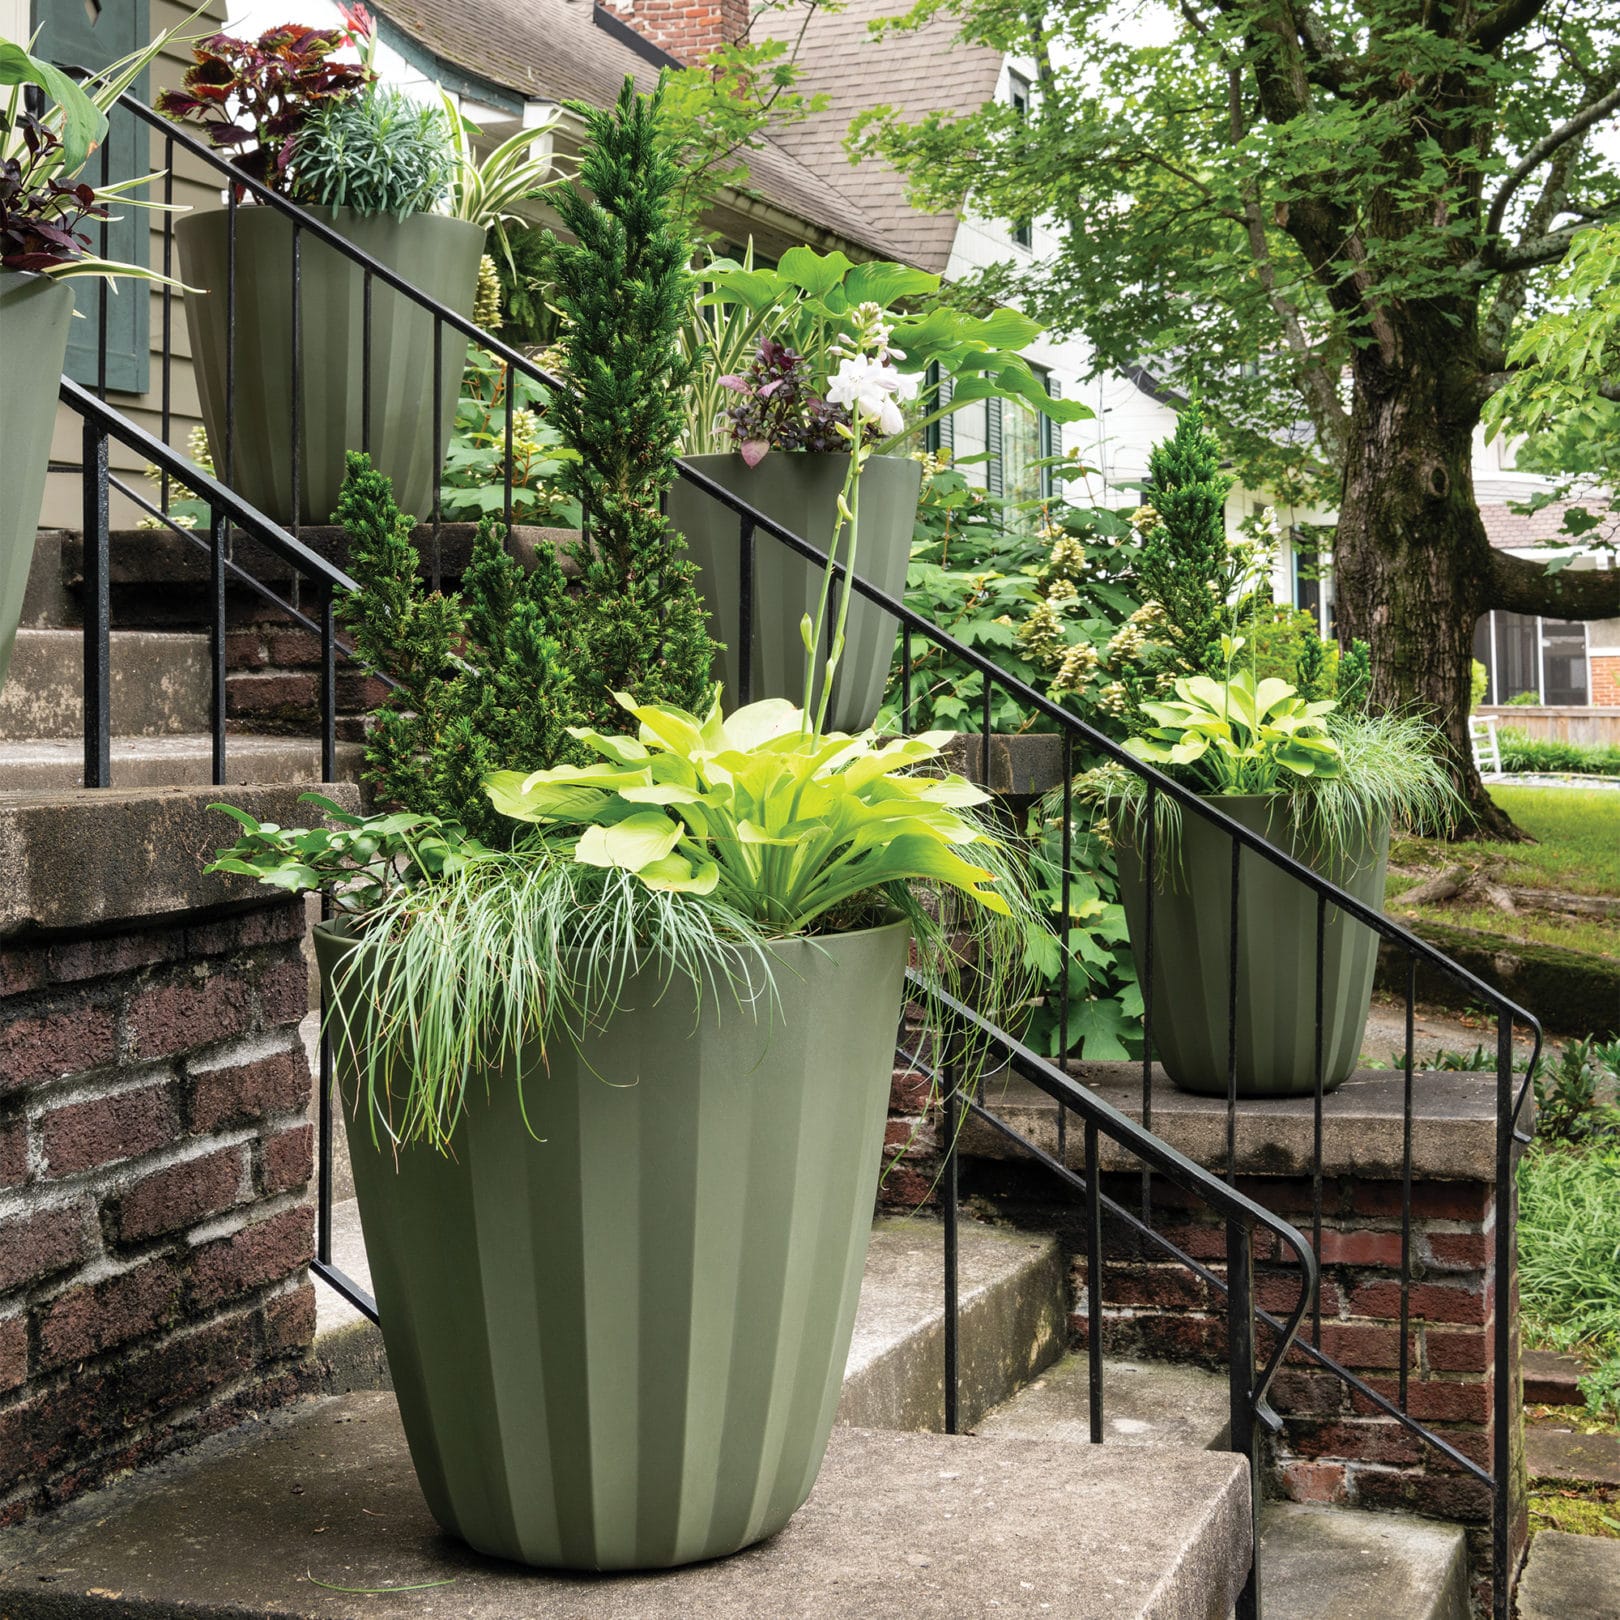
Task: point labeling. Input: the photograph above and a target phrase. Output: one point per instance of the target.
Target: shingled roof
(928, 70)
(553, 50)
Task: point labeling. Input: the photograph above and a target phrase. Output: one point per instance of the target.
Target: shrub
(1522, 752)
(378, 153)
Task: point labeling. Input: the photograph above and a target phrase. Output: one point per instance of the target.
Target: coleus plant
(253, 98)
(45, 201)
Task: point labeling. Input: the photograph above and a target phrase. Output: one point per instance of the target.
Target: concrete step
(1145, 1403)
(160, 684)
(1552, 1379)
(1012, 1322)
(1568, 1576)
(318, 1515)
(1315, 1563)
(175, 761)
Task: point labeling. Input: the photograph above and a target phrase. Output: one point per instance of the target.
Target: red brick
(284, 993)
(277, 923)
(293, 647)
(178, 1196)
(1361, 1249)
(86, 1320)
(81, 1136)
(287, 1160)
(259, 697)
(1374, 1440)
(1433, 1400)
(34, 1246)
(1431, 1200)
(258, 1255)
(1457, 1352)
(52, 1044)
(82, 959)
(1457, 1251)
(1313, 1482)
(1167, 1287)
(1359, 1345)
(289, 1321)
(1430, 1302)
(1457, 1497)
(245, 649)
(13, 1153)
(362, 692)
(191, 1012)
(908, 1092)
(235, 1093)
(13, 1352)
(1278, 1292)
(1308, 1394)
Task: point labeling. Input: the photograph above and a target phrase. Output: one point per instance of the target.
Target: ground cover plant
(1522, 753)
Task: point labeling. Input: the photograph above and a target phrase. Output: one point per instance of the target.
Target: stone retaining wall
(155, 1155)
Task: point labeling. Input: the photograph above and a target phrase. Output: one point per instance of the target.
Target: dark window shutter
(995, 474)
(1051, 439)
(946, 426)
(932, 434)
(72, 34)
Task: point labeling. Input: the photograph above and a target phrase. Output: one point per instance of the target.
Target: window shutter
(945, 427)
(74, 35)
(995, 473)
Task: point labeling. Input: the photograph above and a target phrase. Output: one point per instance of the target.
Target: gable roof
(553, 50)
(916, 72)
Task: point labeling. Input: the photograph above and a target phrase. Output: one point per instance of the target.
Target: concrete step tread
(1320, 1563)
(1552, 1378)
(1012, 1320)
(1145, 1403)
(160, 683)
(1573, 1458)
(181, 760)
(1566, 1576)
(926, 1526)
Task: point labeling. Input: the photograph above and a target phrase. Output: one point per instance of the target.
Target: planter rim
(797, 455)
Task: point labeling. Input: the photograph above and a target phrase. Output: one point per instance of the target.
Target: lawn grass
(1577, 849)
(1591, 936)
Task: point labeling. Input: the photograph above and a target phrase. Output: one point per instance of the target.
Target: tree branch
(1594, 112)
(1539, 250)
(1521, 586)
(1508, 18)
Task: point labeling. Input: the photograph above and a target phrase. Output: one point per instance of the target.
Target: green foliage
(1479, 683)
(483, 678)
(1239, 736)
(526, 322)
(379, 152)
(475, 471)
(486, 190)
(359, 862)
(1186, 565)
(1576, 1093)
(1285, 644)
(806, 302)
(1569, 1256)
(1525, 700)
(622, 288)
(1524, 753)
(1355, 675)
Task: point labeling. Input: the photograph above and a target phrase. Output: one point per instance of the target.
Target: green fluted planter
(800, 489)
(436, 254)
(1276, 965)
(35, 314)
(621, 1347)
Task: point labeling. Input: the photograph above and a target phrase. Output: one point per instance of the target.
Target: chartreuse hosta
(789, 828)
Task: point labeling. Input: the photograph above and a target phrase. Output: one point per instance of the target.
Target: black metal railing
(1243, 1217)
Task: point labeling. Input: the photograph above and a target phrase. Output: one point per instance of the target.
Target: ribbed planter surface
(621, 1347)
(800, 489)
(35, 314)
(1276, 958)
(437, 255)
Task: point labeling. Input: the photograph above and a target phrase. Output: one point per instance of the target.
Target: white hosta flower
(871, 390)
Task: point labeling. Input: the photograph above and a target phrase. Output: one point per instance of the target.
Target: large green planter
(621, 1346)
(800, 490)
(35, 313)
(1276, 960)
(436, 254)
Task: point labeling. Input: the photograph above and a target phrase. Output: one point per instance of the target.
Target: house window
(1522, 653)
(1023, 231)
(1026, 441)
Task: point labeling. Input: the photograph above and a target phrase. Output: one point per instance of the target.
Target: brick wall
(1336, 1447)
(155, 1158)
(1605, 691)
(686, 29)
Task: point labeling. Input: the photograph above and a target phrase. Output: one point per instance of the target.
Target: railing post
(1503, 1383)
(217, 531)
(1240, 1361)
(745, 612)
(97, 612)
(328, 687)
(948, 1192)
(1094, 1286)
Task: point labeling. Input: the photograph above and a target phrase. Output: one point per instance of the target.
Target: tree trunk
(1412, 564)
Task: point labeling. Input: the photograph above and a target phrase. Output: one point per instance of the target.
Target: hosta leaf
(633, 843)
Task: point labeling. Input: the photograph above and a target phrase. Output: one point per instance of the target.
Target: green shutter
(946, 424)
(995, 479)
(93, 34)
(1051, 440)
